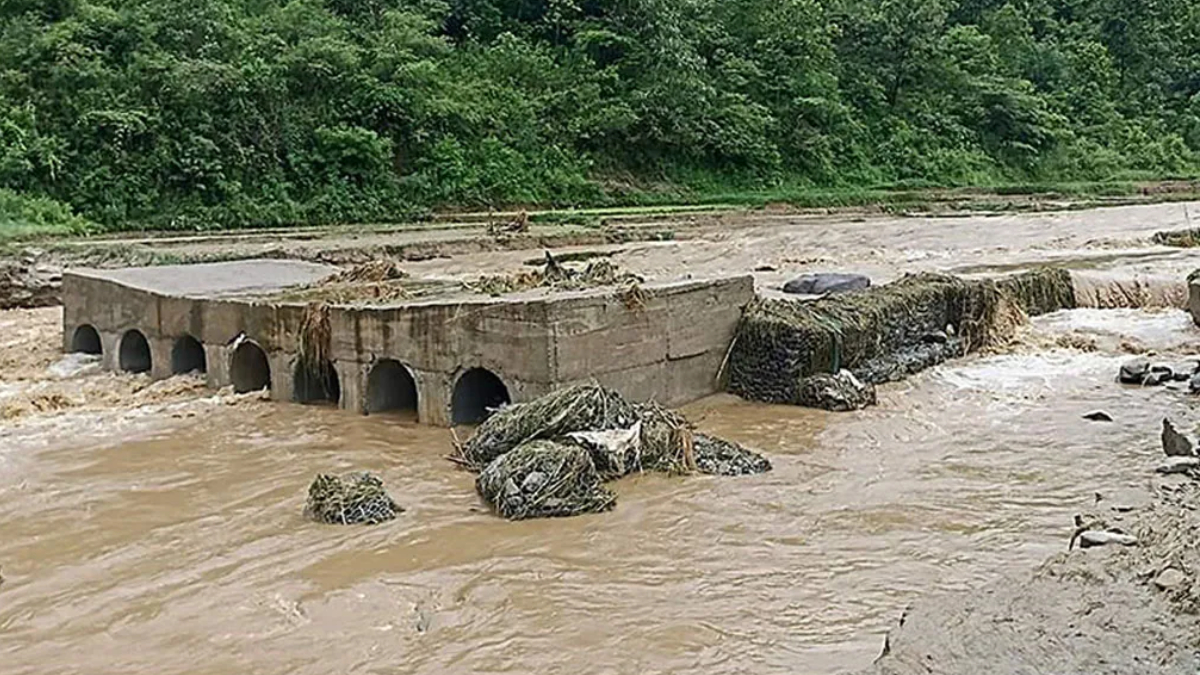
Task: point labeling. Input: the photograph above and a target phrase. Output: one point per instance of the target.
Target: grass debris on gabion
(544, 479)
(584, 407)
(1040, 291)
(548, 457)
(355, 498)
(883, 333)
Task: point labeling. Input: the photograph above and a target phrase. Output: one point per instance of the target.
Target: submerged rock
(1170, 579)
(1135, 371)
(1176, 443)
(1179, 465)
(1194, 384)
(1094, 538)
(829, 283)
(842, 392)
(1098, 416)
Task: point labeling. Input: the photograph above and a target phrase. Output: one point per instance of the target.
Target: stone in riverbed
(1194, 384)
(1179, 465)
(1175, 443)
(1098, 416)
(1093, 538)
(1170, 579)
(820, 284)
(1135, 371)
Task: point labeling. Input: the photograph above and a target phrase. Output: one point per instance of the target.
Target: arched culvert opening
(390, 387)
(316, 383)
(249, 369)
(187, 356)
(476, 395)
(134, 355)
(86, 341)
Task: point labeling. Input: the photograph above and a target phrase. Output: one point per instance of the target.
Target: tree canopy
(198, 113)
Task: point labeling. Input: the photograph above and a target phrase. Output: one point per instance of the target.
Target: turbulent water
(164, 534)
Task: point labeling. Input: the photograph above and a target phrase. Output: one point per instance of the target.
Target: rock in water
(1098, 416)
(1194, 384)
(1170, 579)
(1179, 465)
(1175, 443)
(348, 500)
(820, 284)
(1135, 371)
(1093, 538)
(839, 393)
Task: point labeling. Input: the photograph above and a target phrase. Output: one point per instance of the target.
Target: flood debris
(544, 479)
(617, 438)
(842, 392)
(352, 499)
(379, 280)
(883, 333)
(555, 275)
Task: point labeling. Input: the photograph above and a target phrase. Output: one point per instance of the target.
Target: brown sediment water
(164, 533)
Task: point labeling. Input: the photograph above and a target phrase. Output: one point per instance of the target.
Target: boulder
(1194, 384)
(1098, 416)
(842, 392)
(1193, 303)
(1093, 538)
(1176, 443)
(820, 284)
(1135, 371)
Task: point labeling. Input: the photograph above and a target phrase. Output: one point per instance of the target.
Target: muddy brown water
(166, 535)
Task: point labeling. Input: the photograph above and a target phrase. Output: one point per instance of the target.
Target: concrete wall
(668, 347)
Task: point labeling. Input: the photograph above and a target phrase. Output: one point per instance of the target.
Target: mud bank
(1112, 609)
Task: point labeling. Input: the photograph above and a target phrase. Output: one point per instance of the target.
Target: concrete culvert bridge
(391, 387)
(477, 393)
(134, 354)
(249, 369)
(86, 341)
(316, 383)
(188, 356)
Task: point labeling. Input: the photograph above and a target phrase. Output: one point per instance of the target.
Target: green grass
(25, 217)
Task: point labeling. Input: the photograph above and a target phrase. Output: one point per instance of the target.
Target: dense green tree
(198, 113)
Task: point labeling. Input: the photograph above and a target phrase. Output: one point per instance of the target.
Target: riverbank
(1113, 609)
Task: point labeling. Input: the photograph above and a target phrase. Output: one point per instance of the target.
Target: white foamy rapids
(1159, 330)
(75, 365)
(1029, 373)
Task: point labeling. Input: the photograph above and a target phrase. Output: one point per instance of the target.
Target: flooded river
(164, 534)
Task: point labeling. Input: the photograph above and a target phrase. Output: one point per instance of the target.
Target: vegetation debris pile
(617, 437)
(355, 498)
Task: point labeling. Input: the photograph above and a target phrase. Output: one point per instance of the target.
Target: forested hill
(191, 113)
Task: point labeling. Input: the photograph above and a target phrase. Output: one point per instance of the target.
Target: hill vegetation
(228, 113)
